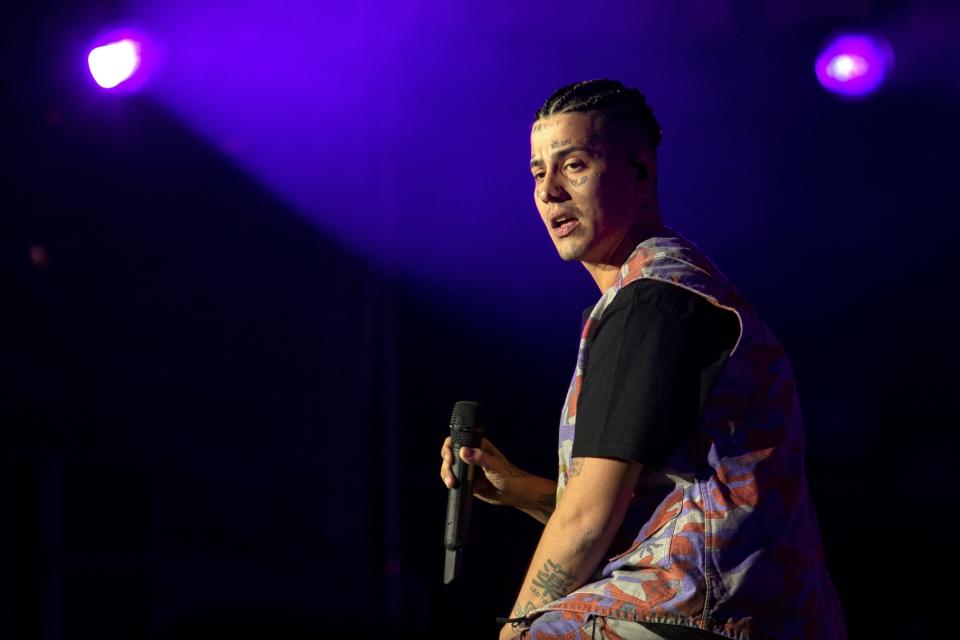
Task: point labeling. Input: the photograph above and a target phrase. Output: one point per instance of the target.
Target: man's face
(585, 188)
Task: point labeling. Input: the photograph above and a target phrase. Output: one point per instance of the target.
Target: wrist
(511, 631)
(537, 495)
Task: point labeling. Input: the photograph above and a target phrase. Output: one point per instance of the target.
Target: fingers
(445, 476)
(471, 455)
(480, 455)
(467, 454)
(485, 456)
(446, 457)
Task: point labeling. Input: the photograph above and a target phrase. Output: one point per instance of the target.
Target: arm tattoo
(576, 465)
(520, 611)
(552, 582)
(547, 503)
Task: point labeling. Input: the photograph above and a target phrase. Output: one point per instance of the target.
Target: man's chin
(568, 255)
(569, 249)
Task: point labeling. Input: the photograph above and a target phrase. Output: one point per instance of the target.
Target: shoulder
(657, 308)
(663, 296)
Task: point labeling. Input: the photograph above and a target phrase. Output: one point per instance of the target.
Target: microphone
(466, 430)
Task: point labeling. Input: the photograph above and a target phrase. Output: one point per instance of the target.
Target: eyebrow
(561, 152)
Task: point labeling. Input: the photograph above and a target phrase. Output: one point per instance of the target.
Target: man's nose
(552, 190)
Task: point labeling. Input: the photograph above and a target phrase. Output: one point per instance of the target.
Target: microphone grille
(466, 424)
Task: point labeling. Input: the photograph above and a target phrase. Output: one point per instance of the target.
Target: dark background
(221, 413)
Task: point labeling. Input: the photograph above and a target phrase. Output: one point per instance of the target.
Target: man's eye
(576, 164)
(538, 177)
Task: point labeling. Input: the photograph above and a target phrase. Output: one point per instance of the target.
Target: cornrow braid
(615, 102)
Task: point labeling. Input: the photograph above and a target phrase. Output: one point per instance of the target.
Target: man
(681, 508)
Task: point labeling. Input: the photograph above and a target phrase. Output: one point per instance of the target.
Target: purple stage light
(114, 63)
(124, 59)
(854, 65)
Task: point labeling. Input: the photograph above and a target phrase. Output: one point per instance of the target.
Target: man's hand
(498, 481)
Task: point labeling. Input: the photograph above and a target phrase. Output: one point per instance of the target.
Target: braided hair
(615, 104)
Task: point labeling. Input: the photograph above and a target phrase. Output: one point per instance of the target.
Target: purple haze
(400, 130)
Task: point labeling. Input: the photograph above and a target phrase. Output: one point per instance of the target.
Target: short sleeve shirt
(652, 360)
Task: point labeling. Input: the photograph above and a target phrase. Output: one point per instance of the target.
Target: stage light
(854, 65)
(114, 63)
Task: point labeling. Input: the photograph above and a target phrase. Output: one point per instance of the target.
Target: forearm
(537, 497)
(579, 533)
(569, 551)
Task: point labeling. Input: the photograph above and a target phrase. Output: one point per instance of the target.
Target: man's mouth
(564, 225)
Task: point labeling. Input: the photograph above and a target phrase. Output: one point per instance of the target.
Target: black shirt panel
(652, 360)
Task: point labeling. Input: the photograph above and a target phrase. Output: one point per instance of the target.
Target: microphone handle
(466, 429)
(459, 503)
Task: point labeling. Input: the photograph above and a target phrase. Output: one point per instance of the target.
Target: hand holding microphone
(466, 430)
(494, 476)
(471, 466)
